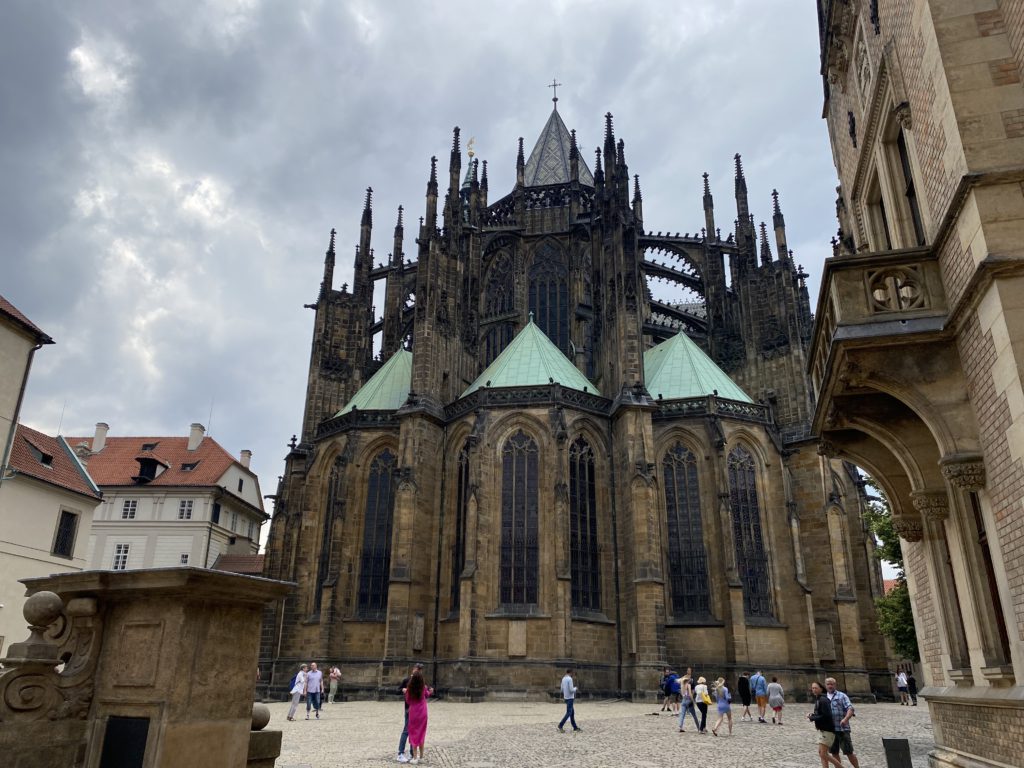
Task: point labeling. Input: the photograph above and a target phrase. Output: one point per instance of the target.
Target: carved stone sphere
(260, 716)
(42, 609)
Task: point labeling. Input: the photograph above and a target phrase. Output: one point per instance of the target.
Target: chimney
(195, 436)
(245, 458)
(100, 439)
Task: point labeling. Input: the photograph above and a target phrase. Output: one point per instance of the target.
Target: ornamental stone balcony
(877, 300)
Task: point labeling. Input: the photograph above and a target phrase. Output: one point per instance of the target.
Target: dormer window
(41, 456)
(189, 466)
(149, 446)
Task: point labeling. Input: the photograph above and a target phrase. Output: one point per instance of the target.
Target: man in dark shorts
(842, 711)
(743, 686)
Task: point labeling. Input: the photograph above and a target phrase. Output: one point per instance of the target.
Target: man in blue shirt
(569, 694)
(842, 711)
(759, 687)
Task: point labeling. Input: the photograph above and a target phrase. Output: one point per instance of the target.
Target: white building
(169, 501)
(46, 496)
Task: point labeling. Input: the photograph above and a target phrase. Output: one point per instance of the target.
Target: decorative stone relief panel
(896, 289)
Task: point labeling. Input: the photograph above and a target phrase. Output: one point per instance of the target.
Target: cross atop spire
(554, 91)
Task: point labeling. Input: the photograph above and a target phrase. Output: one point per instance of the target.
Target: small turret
(638, 209)
(328, 281)
(431, 213)
(609, 144)
(361, 286)
(766, 249)
(574, 160)
(520, 166)
(396, 252)
(742, 206)
(779, 224)
(483, 186)
(709, 206)
(598, 171)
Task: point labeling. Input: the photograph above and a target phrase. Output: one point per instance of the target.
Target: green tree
(896, 621)
(895, 618)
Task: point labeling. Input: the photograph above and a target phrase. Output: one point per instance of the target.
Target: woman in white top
(701, 698)
(298, 686)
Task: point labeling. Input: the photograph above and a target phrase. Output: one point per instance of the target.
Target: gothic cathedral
(547, 465)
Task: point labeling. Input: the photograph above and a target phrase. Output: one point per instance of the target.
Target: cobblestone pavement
(615, 733)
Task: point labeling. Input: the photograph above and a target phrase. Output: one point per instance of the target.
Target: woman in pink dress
(416, 694)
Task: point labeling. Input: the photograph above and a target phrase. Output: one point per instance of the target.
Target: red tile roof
(116, 464)
(889, 584)
(251, 565)
(51, 461)
(12, 313)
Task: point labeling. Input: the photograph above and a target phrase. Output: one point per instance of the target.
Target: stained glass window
(375, 563)
(499, 293)
(334, 498)
(549, 295)
(687, 556)
(459, 537)
(519, 544)
(586, 571)
(751, 558)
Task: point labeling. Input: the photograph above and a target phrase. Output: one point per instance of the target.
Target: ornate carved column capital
(934, 505)
(965, 471)
(909, 528)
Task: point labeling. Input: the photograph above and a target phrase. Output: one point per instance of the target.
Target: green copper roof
(550, 160)
(387, 389)
(678, 368)
(531, 359)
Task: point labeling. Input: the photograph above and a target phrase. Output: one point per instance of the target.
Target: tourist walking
(912, 688)
(314, 689)
(759, 686)
(776, 700)
(702, 699)
(901, 686)
(335, 679)
(821, 716)
(569, 694)
(404, 687)
(743, 687)
(842, 711)
(686, 703)
(666, 689)
(297, 689)
(416, 698)
(724, 701)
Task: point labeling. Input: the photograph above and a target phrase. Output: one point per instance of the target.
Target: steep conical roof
(387, 389)
(678, 368)
(531, 359)
(549, 161)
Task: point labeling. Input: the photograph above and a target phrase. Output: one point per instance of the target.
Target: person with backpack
(724, 701)
(296, 688)
(759, 686)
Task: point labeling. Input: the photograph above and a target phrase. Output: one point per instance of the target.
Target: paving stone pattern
(615, 733)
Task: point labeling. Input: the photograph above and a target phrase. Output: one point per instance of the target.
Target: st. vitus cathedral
(546, 466)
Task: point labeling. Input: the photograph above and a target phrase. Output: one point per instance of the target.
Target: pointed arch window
(496, 338)
(519, 543)
(333, 509)
(499, 291)
(549, 295)
(687, 556)
(375, 563)
(751, 558)
(461, 513)
(586, 571)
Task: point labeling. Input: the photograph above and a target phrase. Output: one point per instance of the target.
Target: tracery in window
(335, 497)
(519, 538)
(549, 295)
(751, 558)
(583, 543)
(375, 563)
(687, 556)
(459, 534)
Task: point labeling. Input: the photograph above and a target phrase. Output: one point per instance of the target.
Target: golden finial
(469, 146)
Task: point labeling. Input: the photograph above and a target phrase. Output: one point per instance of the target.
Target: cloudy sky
(170, 171)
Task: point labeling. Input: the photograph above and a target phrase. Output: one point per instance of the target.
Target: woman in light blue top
(724, 699)
(687, 705)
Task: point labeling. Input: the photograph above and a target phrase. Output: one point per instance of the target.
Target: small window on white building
(185, 509)
(129, 508)
(241, 484)
(234, 521)
(120, 557)
(252, 530)
(184, 558)
(64, 539)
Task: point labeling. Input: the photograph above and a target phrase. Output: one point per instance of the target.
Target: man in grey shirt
(569, 694)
